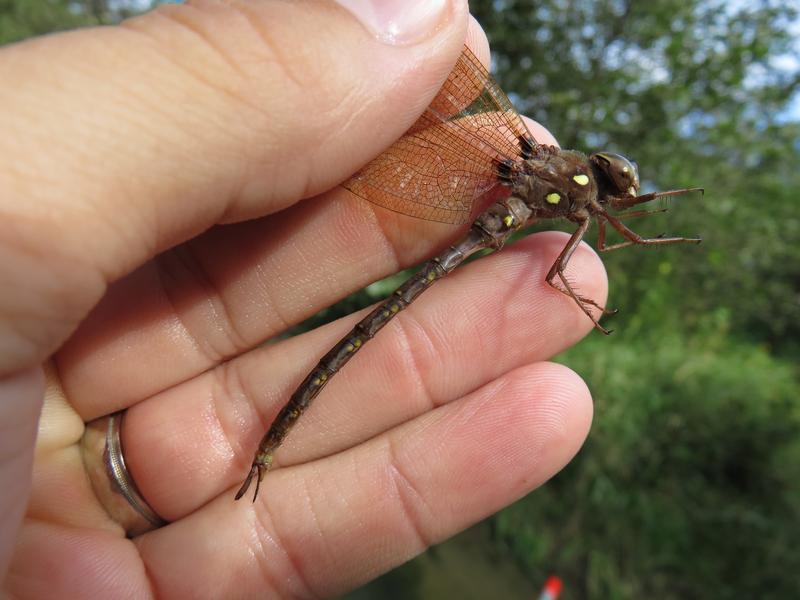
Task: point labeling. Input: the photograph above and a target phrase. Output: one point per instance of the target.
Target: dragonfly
(470, 157)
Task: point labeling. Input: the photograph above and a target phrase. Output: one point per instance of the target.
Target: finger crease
(198, 76)
(232, 385)
(265, 291)
(388, 247)
(273, 47)
(410, 357)
(221, 317)
(217, 301)
(260, 553)
(149, 579)
(296, 573)
(177, 18)
(408, 497)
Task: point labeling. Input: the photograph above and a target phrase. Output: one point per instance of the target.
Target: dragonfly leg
(620, 203)
(558, 271)
(601, 229)
(640, 213)
(601, 239)
(634, 238)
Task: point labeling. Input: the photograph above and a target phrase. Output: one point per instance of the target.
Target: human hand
(122, 148)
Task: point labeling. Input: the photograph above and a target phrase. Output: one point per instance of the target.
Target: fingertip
(529, 423)
(478, 42)
(569, 400)
(540, 133)
(560, 410)
(537, 421)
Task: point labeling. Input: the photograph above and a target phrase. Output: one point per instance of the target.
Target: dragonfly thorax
(556, 183)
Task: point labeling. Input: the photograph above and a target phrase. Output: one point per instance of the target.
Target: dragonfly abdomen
(490, 230)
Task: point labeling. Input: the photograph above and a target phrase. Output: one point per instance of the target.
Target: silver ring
(112, 483)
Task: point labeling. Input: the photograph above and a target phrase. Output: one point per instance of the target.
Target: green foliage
(21, 19)
(688, 486)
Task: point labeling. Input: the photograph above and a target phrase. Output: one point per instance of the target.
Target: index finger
(120, 142)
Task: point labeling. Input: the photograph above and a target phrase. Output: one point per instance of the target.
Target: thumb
(123, 141)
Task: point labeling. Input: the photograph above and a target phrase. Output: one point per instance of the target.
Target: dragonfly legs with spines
(557, 271)
(631, 237)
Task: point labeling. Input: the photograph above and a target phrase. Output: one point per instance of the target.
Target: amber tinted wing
(448, 159)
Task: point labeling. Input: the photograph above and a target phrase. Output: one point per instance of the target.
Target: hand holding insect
(134, 277)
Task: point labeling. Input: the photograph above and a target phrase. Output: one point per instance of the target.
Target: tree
(21, 19)
(695, 92)
(686, 487)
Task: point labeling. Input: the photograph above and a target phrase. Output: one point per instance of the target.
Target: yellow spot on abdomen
(580, 179)
(553, 198)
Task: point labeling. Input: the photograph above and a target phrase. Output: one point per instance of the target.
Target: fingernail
(399, 22)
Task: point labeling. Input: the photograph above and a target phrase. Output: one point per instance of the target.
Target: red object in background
(552, 588)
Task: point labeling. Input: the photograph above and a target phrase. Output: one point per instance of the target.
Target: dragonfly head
(618, 176)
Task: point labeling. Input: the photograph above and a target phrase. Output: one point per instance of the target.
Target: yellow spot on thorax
(508, 220)
(581, 179)
(553, 198)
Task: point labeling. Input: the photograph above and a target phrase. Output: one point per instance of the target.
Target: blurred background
(689, 483)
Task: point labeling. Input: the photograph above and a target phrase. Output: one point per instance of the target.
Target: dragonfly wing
(448, 159)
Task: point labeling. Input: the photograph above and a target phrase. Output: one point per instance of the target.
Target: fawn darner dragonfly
(470, 149)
